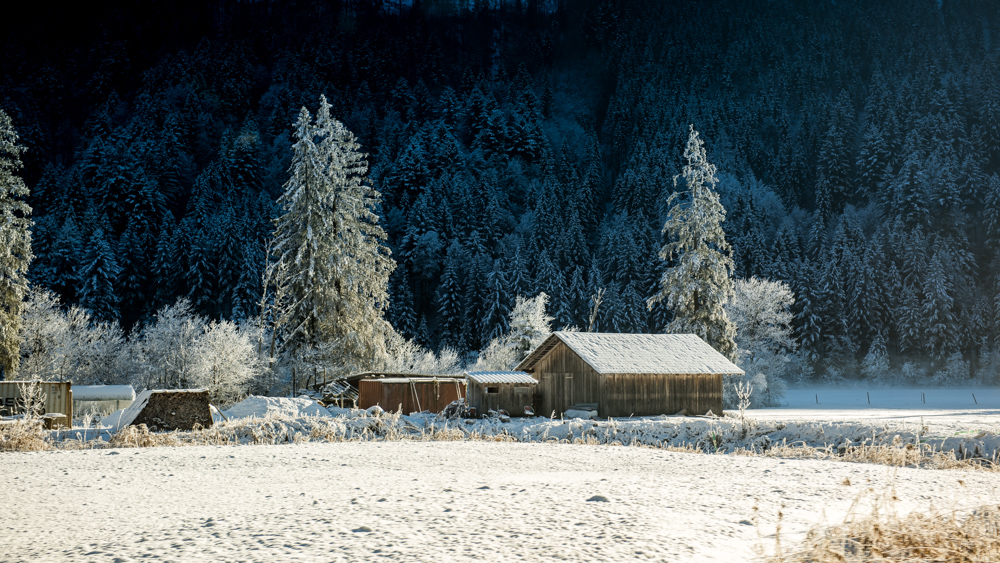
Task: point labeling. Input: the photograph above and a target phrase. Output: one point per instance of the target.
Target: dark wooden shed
(411, 394)
(628, 374)
(509, 391)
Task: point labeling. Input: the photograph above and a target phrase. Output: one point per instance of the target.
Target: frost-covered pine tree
(329, 267)
(99, 278)
(15, 246)
(529, 324)
(698, 282)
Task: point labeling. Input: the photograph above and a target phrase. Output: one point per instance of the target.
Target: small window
(522, 389)
(492, 390)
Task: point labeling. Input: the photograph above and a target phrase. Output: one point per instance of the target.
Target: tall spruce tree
(329, 267)
(15, 246)
(698, 281)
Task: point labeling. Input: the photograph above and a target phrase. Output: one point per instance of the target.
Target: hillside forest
(531, 146)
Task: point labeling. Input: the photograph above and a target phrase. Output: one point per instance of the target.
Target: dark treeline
(524, 147)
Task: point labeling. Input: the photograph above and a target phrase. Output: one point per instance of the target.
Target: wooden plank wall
(564, 379)
(511, 397)
(58, 399)
(369, 393)
(432, 396)
(655, 394)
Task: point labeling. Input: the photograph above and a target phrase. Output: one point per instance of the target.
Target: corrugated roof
(486, 377)
(638, 353)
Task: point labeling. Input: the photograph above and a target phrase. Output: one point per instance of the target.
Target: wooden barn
(628, 374)
(411, 393)
(509, 391)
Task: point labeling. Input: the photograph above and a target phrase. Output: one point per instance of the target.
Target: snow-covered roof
(638, 353)
(103, 393)
(487, 377)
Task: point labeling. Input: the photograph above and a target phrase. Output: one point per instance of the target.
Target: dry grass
(883, 536)
(140, 437)
(895, 455)
(26, 434)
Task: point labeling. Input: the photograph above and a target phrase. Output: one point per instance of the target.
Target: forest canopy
(524, 147)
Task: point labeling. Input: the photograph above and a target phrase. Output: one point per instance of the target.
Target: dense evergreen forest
(531, 146)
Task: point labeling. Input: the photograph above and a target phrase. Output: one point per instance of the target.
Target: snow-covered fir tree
(329, 267)
(697, 282)
(15, 245)
(529, 324)
(100, 275)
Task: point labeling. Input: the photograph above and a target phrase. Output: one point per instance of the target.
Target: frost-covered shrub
(498, 355)
(875, 366)
(406, 356)
(225, 362)
(954, 371)
(911, 373)
(69, 345)
(988, 372)
(798, 369)
(761, 311)
(166, 351)
(529, 326)
(730, 383)
(181, 349)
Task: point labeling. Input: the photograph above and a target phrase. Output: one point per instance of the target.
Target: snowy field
(436, 501)
(944, 411)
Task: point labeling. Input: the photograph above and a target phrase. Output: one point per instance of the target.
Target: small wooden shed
(629, 374)
(510, 391)
(58, 399)
(411, 394)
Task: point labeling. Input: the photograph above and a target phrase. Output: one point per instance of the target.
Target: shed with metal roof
(509, 391)
(628, 374)
(410, 393)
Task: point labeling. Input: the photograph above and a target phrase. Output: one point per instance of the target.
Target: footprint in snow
(364, 529)
(598, 498)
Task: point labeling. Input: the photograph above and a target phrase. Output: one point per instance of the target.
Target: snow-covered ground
(945, 411)
(435, 501)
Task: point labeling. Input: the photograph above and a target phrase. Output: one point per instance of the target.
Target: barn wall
(655, 394)
(564, 379)
(509, 398)
(369, 393)
(58, 399)
(431, 396)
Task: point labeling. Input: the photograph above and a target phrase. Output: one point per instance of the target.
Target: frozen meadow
(550, 490)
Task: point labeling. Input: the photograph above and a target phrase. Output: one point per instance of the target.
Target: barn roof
(486, 377)
(637, 353)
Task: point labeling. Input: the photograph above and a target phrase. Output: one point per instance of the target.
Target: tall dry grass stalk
(894, 455)
(26, 433)
(883, 536)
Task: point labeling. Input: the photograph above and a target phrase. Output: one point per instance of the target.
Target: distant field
(945, 408)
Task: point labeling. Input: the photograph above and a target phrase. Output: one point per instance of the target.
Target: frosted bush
(954, 371)
(225, 362)
(875, 366)
(406, 356)
(69, 345)
(911, 373)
